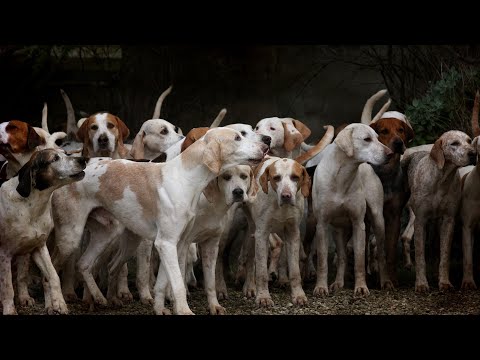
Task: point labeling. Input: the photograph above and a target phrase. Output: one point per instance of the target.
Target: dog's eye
(256, 128)
(401, 130)
(272, 128)
(94, 127)
(243, 176)
(384, 132)
(368, 139)
(277, 178)
(455, 143)
(238, 138)
(110, 126)
(56, 158)
(164, 132)
(244, 133)
(10, 127)
(227, 177)
(295, 178)
(176, 129)
(469, 141)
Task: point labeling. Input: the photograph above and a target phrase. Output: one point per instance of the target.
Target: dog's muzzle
(237, 194)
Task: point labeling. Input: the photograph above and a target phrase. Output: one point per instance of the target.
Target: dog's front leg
(50, 280)
(292, 239)
(446, 236)
(321, 241)
(261, 272)
(6, 286)
(144, 255)
(421, 283)
(340, 247)
(209, 253)
(467, 244)
(167, 249)
(358, 239)
(378, 225)
(24, 298)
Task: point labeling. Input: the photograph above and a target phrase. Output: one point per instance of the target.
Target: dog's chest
(26, 233)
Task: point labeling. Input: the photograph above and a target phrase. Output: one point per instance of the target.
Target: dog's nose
(103, 140)
(286, 196)
(398, 146)
(237, 192)
(82, 161)
(266, 139)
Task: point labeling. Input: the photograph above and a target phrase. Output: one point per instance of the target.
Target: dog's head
(247, 132)
(286, 134)
(394, 130)
(360, 142)
(49, 168)
(454, 147)
(236, 184)
(224, 148)
(18, 138)
(155, 136)
(103, 134)
(287, 177)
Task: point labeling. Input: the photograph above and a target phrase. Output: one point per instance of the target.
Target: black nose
(472, 157)
(103, 140)
(398, 146)
(82, 160)
(266, 139)
(237, 192)
(286, 196)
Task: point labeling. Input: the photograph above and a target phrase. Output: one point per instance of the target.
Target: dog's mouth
(78, 176)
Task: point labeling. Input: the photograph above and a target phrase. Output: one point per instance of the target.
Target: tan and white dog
(153, 201)
(26, 221)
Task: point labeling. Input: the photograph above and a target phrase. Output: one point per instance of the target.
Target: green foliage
(443, 107)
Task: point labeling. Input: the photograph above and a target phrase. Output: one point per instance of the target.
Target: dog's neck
(389, 174)
(38, 201)
(446, 175)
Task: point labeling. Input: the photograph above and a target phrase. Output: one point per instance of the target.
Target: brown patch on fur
(267, 175)
(304, 182)
(121, 175)
(437, 153)
(22, 137)
(192, 136)
(291, 139)
(302, 128)
(390, 130)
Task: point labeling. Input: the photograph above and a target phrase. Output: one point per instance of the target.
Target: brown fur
(192, 136)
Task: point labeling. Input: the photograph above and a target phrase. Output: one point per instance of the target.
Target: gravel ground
(401, 301)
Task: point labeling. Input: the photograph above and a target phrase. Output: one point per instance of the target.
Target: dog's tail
(218, 119)
(44, 117)
(158, 106)
(71, 123)
(368, 108)
(475, 126)
(314, 150)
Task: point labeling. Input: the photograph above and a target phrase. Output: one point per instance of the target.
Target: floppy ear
(189, 140)
(305, 183)
(253, 187)
(33, 139)
(344, 141)
(192, 136)
(211, 190)
(292, 137)
(302, 128)
(437, 154)
(124, 131)
(212, 156)
(408, 133)
(82, 132)
(138, 148)
(25, 179)
(264, 179)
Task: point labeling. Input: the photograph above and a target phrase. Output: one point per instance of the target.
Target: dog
(435, 189)
(153, 201)
(26, 222)
(345, 190)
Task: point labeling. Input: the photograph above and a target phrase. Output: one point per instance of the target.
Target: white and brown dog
(26, 221)
(154, 201)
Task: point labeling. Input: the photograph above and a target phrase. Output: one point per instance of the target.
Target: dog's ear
(33, 139)
(25, 177)
(475, 143)
(211, 190)
(212, 156)
(123, 129)
(264, 179)
(253, 187)
(437, 153)
(292, 137)
(138, 148)
(192, 136)
(344, 141)
(302, 128)
(305, 183)
(409, 134)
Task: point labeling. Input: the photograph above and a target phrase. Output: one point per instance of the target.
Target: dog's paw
(445, 286)
(320, 291)
(300, 300)
(26, 300)
(217, 310)
(421, 287)
(249, 291)
(387, 285)
(361, 290)
(222, 294)
(100, 301)
(70, 297)
(146, 300)
(335, 286)
(115, 302)
(264, 301)
(58, 307)
(9, 310)
(162, 311)
(125, 295)
(186, 311)
(468, 284)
